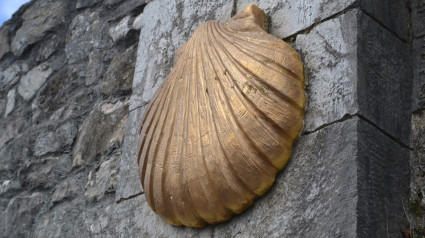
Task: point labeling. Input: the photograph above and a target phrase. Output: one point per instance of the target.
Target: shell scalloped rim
(223, 123)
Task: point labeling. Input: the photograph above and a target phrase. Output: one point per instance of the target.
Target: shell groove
(223, 123)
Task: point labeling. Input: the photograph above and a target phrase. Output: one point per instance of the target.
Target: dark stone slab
(382, 184)
(393, 14)
(384, 79)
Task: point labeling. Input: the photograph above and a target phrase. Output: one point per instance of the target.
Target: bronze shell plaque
(223, 123)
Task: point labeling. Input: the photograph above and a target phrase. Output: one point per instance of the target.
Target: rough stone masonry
(76, 78)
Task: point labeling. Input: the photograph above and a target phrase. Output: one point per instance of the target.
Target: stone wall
(76, 78)
(66, 73)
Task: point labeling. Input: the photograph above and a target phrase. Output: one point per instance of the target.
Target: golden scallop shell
(223, 123)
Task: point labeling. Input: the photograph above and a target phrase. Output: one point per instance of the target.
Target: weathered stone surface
(119, 31)
(86, 3)
(383, 184)
(165, 26)
(12, 152)
(418, 17)
(47, 49)
(11, 75)
(129, 180)
(11, 129)
(104, 180)
(59, 223)
(131, 218)
(112, 2)
(4, 41)
(33, 80)
(38, 135)
(384, 79)
(124, 8)
(418, 57)
(10, 101)
(94, 67)
(38, 173)
(66, 189)
(8, 185)
(39, 19)
(342, 55)
(137, 23)
(52, 141)
(8, 132)
(394, 15)
(103, 128)
(418, 155)
(289, 17)
(44, 172)
(62, 98)
(19, 216)
(86, 33)
(120, 73)
(3, 102)
(329, 52)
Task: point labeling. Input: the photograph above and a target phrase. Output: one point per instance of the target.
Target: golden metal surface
(223, 123)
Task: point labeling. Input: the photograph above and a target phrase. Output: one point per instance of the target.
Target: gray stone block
(18, 218)
(384, 79)
(38, 173)
(52, 141)
(86, 33)
(4, 42)
(329, 55)
(119, 75)
(66, 189)
(103, 129)
(11, 75)
(355, 66)
(32, 81)
(8, 186)
(128, 179)
(40, 18)
(121, 29)
(11, 95)
(289, 17)
(104, 180)
(18, 148)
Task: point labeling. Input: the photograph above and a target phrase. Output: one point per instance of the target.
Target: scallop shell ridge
(222, 124)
